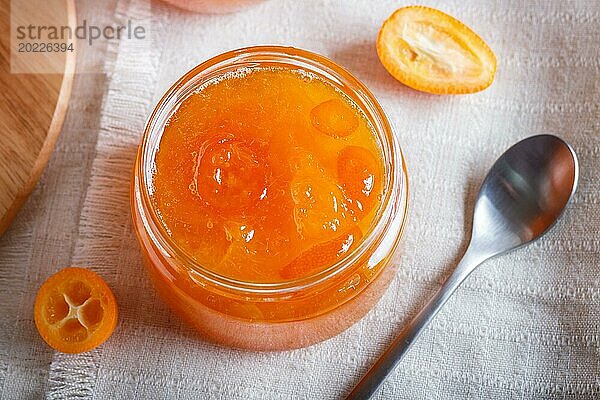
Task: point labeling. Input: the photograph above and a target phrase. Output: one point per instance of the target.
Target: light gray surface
(524, 326)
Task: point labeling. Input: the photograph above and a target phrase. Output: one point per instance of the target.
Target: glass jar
(272, 316)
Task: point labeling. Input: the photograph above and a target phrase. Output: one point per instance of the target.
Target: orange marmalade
(269, 194)
(267, 175)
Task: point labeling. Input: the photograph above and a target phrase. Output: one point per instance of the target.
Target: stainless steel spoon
(520, 199)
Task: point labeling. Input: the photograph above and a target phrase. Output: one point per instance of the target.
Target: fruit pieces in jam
(267, 175)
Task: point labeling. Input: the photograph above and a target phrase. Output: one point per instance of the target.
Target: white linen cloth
(524, 326)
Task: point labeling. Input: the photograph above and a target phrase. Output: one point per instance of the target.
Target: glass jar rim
(252, 57)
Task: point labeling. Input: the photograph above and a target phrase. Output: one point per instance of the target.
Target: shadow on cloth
(109, 243)
(362, 60)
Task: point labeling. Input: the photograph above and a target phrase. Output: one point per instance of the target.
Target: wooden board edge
(58, 118)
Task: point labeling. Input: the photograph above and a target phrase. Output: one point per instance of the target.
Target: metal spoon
(522, 196)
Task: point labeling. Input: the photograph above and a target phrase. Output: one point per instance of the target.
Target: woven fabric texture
(524, 326)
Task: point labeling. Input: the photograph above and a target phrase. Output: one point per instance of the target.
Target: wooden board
(32, 111)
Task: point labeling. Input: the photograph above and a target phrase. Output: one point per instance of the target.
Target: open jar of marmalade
(269, 195)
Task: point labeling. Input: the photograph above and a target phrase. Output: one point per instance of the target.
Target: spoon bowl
(522, 196)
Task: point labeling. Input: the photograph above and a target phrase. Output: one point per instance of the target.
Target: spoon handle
(373, 379)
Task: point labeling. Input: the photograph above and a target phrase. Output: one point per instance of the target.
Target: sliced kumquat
(319, 206)
(334, 118)
(75, 310)
(323, 254)
(433, 52)
(357, 173)
(230, 173)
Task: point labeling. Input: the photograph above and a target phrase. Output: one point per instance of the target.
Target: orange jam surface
(267, 175)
